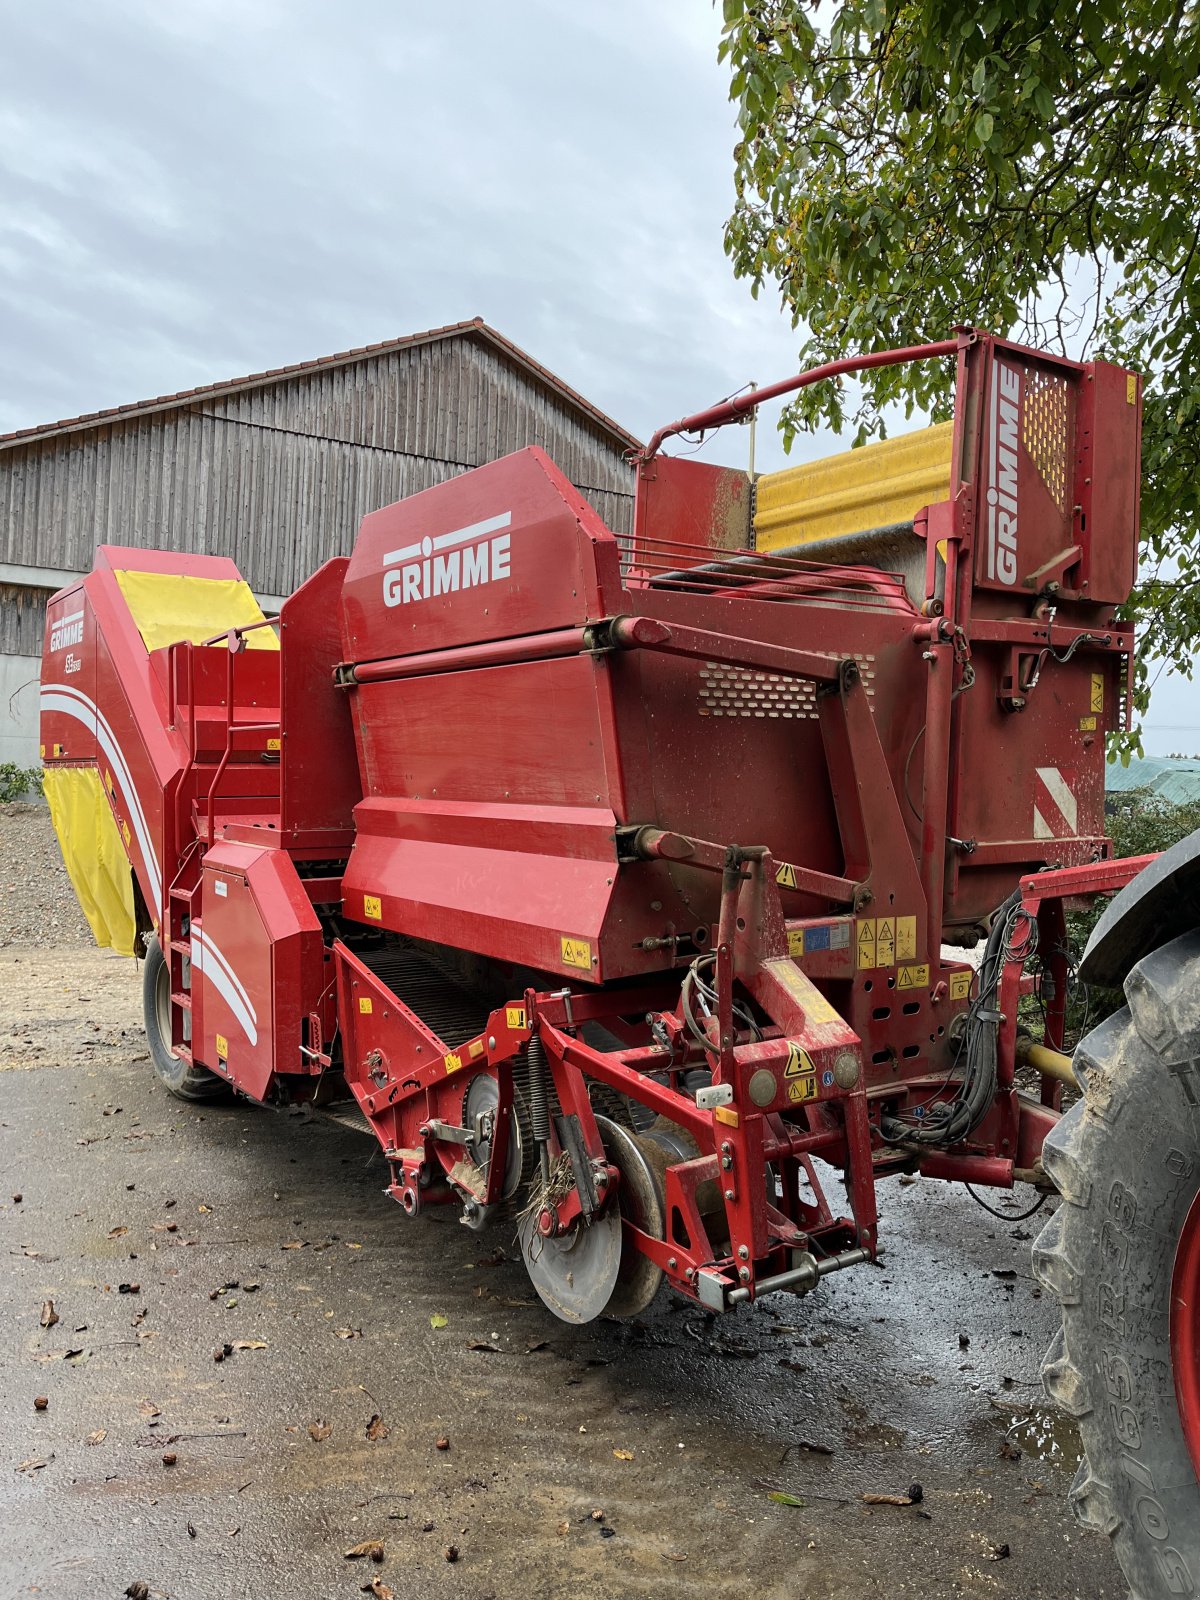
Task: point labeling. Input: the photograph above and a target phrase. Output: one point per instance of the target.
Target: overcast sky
(195, 189)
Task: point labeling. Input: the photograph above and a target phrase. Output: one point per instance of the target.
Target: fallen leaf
(320, 1429)
(149, 1409)
(191, 1531)
(49, 1315)
(782, 1498)
(249, 1344)
(117, 1233)
(484, 1344)
(97, 1437)
(350, 1246)
(372, 1548)
(451, 1552)
(999, 1552)
(623, 1455)
(203, 1209)
(437, 1320)
(33, 1464)
(377, 1428)
(888, 1500)
(380, 1589)
(564, 1527)
(347, 1333)
(534, 1345)
(138, 1590)
(295, 1244)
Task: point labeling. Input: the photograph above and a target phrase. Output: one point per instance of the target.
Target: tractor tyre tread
(183, 1079)
(1126, 1160)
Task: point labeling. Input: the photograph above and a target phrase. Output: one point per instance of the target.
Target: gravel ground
(38, 908)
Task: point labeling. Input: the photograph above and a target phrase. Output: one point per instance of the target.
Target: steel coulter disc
(641, 1198)
(574, 1275)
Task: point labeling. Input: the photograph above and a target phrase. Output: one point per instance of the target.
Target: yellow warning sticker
(799, 1063)
(885, 942)
(906, 938)
(866, 943)
(58, 749)
(818, 1009)
(801, 1089)
(913, 977)
(42, 751)
(1097, 700)
(365, 1005)
(960, 985)
(514, 1016)
(222, 1047)
(125, 833)
(1130, 389)
(795, 942)
(453, 1061)
(372, 907)
(273, 744)
(576, 953)
(785, 875)
(1087, 724)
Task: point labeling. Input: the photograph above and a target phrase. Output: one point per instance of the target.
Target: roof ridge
(271, 375)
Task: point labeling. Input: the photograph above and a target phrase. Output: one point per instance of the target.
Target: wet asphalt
(607, 1460)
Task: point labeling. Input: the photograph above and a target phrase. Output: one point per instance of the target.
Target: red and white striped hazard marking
(1055, 809)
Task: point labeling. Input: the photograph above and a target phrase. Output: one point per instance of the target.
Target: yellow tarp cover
(168, 607)
(94, 854)
(874, 487)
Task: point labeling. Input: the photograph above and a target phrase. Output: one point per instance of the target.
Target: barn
(275, 470)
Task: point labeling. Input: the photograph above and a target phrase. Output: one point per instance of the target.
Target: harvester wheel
(1122, 1254)
(181, 1078)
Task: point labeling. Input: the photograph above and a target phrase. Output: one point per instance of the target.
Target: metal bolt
(729, 1194)
(744, 1274)
(491, 1041)
(690, 1274)
(743, 1253)
(672, 1263)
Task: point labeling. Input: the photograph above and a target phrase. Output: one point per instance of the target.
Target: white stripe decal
(443, 541)
(212, 949)
(205, 961)
(1041, 828)
(1060, 792)
(71, 703)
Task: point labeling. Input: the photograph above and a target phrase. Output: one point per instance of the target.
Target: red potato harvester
(612, 879)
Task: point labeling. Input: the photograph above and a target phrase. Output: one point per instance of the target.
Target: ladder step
(183, 1052)
(183, 1001)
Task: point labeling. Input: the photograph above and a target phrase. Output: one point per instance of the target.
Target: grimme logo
(448, 562)
(67, 630)
(1002, 472)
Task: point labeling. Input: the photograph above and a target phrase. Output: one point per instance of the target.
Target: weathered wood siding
(279, 477)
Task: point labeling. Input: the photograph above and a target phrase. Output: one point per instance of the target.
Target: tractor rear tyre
(1122, 1254)
(181, 1078)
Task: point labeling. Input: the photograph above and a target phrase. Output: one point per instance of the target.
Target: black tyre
(1126, 1159)
(180, 1077)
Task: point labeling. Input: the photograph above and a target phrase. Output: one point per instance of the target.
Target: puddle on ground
(1044, 1433)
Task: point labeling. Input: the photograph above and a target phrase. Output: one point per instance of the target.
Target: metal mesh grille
(1044, 430)
(742, 692)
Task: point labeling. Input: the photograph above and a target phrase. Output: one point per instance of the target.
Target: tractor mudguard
(1161, 903)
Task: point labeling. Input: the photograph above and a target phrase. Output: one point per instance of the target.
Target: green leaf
(983, 127)
(782, 1498)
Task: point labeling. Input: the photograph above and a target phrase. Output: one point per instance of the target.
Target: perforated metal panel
(741, 692)
(1044, 430)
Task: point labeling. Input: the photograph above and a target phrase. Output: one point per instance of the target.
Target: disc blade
(640, 1198)
(574, 1275)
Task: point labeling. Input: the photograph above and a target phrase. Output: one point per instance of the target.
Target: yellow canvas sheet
(874, 487)
(168, 607)
(94, 853)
